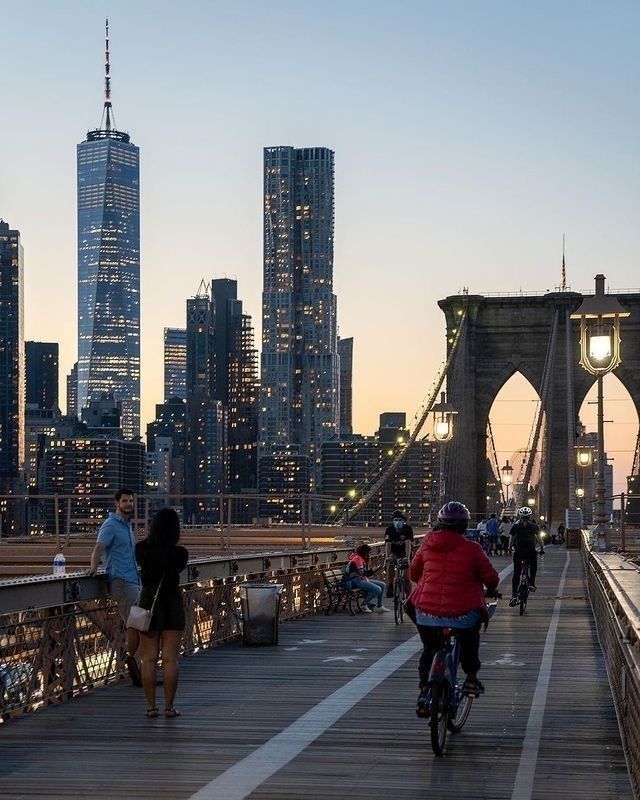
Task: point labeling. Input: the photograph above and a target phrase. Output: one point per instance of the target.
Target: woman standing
(162, 560)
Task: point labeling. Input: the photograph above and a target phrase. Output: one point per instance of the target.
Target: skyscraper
(42, 374)
(12, 376)
(175, 363)
(109, 266)
(345, 351)
(72, 391)
(299, 403)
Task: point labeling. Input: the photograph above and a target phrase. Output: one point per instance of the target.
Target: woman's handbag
(140, 618)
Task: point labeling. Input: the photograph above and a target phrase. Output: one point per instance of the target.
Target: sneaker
(532, 588)
(513, 602)
(472, 686)
(423, 706)
(382, 609)
(367, 610)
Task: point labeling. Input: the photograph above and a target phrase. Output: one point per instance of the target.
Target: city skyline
(480, 199)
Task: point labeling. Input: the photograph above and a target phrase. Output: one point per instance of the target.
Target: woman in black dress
(161, 558)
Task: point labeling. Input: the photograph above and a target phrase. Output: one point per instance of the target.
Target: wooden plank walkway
(236, 699)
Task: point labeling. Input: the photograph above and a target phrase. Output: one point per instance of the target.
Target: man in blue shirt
(116, 544)
(492, 533)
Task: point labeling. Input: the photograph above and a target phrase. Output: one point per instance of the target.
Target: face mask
(398, 524)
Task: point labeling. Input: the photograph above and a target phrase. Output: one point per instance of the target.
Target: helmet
(524, 512)
(454, 515)
(399, 515)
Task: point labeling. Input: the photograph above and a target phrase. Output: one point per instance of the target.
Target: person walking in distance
(116, 543)
(162, 560)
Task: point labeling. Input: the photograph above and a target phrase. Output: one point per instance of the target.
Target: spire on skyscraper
(107, 111)
(564, 269)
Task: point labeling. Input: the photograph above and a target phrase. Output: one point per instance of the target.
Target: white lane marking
(346, 659)
(311, 641)
(523, 786)
(240, 780)
(506, 660)
(244, 777)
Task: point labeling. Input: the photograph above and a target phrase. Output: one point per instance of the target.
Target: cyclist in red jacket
(451, 572)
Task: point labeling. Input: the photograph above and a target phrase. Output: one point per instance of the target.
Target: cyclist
(398, 538)
(525, 534)
(451, 572)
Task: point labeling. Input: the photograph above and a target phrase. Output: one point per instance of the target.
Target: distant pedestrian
(561, 530)
(162, 560)
(504, 532)
(116, 543)
(492, 534)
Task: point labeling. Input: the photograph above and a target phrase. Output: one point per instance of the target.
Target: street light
(531, 502)
(507, 479)
(579, 492)
(443, 414)
(585, 456)
(600, 317)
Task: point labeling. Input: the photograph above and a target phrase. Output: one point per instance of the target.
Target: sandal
(170, 713)
(152, 713)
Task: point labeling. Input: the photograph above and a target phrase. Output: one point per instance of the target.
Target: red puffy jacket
(450, 572)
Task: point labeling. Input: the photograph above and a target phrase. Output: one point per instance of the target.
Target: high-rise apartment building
(109, 267)
(42, 374)
(345, 351)
(12, 361)
(299, 402)
(175, 363)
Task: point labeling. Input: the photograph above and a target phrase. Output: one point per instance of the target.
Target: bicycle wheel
(439, 716)
(462, 713)
(524, 596)
(398, 602)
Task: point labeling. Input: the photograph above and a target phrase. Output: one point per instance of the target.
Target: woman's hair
(363, 550)
(165, 529)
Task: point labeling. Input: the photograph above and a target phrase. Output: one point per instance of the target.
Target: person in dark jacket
(162, 560)
(398, 538)
(451, 572)
(525, 538)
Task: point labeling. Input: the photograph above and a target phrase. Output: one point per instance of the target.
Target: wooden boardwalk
(236, 699)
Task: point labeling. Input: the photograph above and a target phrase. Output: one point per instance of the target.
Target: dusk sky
(469, 136)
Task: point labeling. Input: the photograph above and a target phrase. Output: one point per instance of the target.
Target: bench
(339, 594)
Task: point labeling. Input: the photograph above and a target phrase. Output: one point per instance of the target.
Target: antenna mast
(107, 111)
(564, 270)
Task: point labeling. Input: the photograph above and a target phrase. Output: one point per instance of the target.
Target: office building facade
(12, 358)
(345, 352)
(175, 363)
(42, 374)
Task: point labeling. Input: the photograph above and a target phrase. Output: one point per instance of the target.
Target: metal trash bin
(260, 609)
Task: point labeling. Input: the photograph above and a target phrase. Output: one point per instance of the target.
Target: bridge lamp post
(507, 478)
(600, 317)
(443, 414)
(585, 457)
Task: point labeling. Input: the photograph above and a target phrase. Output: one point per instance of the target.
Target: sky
(469, 137)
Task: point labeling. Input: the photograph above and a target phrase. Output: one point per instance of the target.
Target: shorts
(125, 594)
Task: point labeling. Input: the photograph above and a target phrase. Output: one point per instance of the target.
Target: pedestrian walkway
(330, 714)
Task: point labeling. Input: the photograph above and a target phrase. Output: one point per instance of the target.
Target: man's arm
(96, 557)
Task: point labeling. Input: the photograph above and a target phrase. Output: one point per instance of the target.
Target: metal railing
(618, 628)
(62, 637)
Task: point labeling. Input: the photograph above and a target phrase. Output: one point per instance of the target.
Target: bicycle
(399, 592)
(523, 586)
(449, 706)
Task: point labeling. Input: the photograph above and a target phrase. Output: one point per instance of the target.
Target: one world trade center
(109, 266)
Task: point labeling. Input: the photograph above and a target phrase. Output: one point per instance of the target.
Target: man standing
(116, 542)
(492, 533)
(397, 538)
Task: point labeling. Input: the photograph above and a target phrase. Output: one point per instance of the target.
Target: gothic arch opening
(512, 418)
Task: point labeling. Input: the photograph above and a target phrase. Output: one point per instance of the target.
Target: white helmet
(524, 512)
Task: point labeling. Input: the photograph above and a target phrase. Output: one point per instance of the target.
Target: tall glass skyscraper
(299, 402)
(109, 267)
(175, 363)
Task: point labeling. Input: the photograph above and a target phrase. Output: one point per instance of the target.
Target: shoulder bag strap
(155, 596)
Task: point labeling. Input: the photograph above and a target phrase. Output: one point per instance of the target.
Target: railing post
(68, 521)
(146, 515)
(623, 531)
(56, 519)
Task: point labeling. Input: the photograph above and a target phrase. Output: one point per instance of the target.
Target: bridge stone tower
(505, 335)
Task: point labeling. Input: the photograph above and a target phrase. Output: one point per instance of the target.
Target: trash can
(260, 607)
(572, 538)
